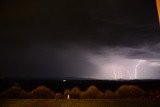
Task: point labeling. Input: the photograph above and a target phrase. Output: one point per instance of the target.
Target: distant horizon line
(72, 78)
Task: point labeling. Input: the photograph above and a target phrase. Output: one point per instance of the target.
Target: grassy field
(76, 103)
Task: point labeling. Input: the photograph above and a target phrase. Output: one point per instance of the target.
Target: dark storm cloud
(56, 38)
(105, 22)
(74, 60)
(47, 61)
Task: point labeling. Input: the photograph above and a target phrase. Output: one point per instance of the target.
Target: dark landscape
(80, 53)
(83, 93)
(59, 85)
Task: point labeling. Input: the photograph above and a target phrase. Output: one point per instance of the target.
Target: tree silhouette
(93, 93)
(75, 93)
(66, 93)
(83, 95)
(129, 91)
(108, 94)
(42, 92)
(58, 96)
(14, 92)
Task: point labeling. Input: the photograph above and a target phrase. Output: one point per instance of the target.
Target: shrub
(155, 95)
(75, 93)
(129, 91)
(58, 96)
(66, 92)
(14, 92)
(93, 93)
(83, 95)
(42, 92)
(108, 94)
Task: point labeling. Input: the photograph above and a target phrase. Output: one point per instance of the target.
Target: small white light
(68, 96)
(64, 80)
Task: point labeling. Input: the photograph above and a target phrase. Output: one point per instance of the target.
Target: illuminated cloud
(155, 64)
(119, 63)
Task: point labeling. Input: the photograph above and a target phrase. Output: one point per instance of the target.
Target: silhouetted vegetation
(14, 92)
(66, 93)
(75, 93)
(129, 91)
(41, 92)
(155, 95)
(58, 96)
(108, 94)
(92, 92)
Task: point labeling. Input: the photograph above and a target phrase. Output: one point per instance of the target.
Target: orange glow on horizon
(158, 9)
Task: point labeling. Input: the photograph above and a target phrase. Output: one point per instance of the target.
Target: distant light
(64, 80)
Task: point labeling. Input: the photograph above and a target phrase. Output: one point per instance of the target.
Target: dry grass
(76, 103)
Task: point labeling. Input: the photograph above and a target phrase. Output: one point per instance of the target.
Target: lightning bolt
(136, 68)
(114, 72)
(129, 74)
(120, 72)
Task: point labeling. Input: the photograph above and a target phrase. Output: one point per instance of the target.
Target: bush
(66, 92)
(75, 93)
(108, 94)
(14, 92)
(129, 91)
(92, 93)
(83, 95)
(155, 95)
(58, 96)
(41, 92)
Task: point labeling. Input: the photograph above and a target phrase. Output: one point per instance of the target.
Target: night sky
(99, 39)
